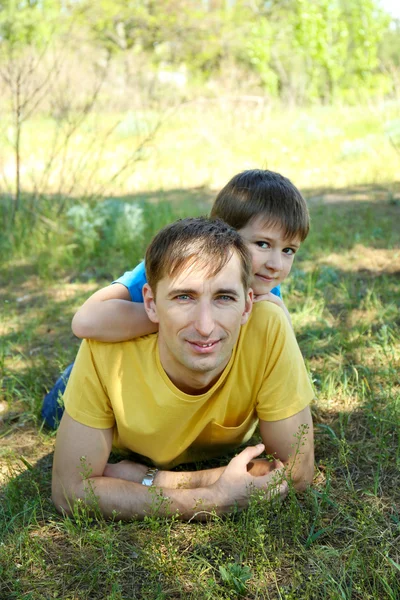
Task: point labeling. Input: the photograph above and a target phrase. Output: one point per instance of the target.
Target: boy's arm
(109, 315)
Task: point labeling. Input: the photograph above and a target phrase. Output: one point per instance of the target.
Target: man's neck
(194, 386)
(187, 381)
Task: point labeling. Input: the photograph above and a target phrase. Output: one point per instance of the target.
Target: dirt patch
(374, 261)
(389, 193)
(20, 449)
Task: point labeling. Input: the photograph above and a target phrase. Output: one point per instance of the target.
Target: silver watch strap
(148, 479)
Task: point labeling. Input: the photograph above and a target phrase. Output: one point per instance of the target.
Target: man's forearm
(301, 475)
(130, 499)
(131, 471)
(188, 479)
(292, 441)
(127, 500)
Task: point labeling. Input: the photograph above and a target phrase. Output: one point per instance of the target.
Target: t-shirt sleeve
(286, 388)
(134, 282)
(85, 397)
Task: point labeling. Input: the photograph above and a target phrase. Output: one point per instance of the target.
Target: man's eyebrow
(181, 292)
(227, 292)
(193, 292)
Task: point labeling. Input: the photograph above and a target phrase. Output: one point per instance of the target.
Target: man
(196, 388)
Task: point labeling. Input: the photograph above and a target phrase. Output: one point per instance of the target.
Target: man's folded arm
(291, 440)
(80, 463)
(132, 471)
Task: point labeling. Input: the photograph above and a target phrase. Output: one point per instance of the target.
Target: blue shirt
(135, 280)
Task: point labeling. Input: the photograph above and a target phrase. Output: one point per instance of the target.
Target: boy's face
(272, 254)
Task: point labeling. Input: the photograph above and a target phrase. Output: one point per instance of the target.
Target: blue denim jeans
(53, 407)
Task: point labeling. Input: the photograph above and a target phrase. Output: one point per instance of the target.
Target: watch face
(149, 477)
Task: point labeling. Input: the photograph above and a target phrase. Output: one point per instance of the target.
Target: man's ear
(149, 302)
(248, 306)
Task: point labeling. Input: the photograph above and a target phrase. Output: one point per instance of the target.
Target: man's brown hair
(263, 194)
(206, 243)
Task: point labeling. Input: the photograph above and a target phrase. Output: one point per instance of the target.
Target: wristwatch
(148, 479)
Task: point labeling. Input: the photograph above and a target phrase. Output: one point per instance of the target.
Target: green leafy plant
(235, 576)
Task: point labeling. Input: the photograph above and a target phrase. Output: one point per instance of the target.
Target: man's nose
(204, 321)
(274, 260)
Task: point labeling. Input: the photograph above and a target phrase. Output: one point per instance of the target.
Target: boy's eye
(262, 244)
(289, 251)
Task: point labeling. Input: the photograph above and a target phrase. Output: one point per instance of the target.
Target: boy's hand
(270, 297)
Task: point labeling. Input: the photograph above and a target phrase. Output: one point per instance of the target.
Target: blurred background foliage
(294, 50)
(114, 99)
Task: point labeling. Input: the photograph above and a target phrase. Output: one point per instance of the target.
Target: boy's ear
(149, 302)
(248, 306)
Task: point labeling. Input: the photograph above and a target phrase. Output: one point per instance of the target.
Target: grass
(204, 142)
(338, 540)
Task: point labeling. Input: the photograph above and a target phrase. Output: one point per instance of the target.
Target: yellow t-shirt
(124, 386)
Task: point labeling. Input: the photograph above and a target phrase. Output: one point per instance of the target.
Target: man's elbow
(301, 484)
(303, 477)
(64, 497)
(61, 502)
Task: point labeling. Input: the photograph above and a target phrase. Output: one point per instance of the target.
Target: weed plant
(337, 541)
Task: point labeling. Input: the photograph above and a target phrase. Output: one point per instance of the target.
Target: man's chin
(208, 364)
(204, 367)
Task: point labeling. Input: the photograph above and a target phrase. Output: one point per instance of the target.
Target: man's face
(199, 321)
(272, 254)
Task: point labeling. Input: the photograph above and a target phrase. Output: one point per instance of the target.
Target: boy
(272, 217)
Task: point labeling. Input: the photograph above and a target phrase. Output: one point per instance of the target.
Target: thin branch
(393, 143)
(135, 156)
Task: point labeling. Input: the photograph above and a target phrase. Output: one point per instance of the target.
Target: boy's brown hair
(263, 194)
(195, 241)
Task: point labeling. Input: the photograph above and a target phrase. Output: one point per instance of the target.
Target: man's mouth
(203, 347)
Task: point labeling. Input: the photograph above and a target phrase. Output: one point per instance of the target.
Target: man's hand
(261, 466)
(242, 475)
